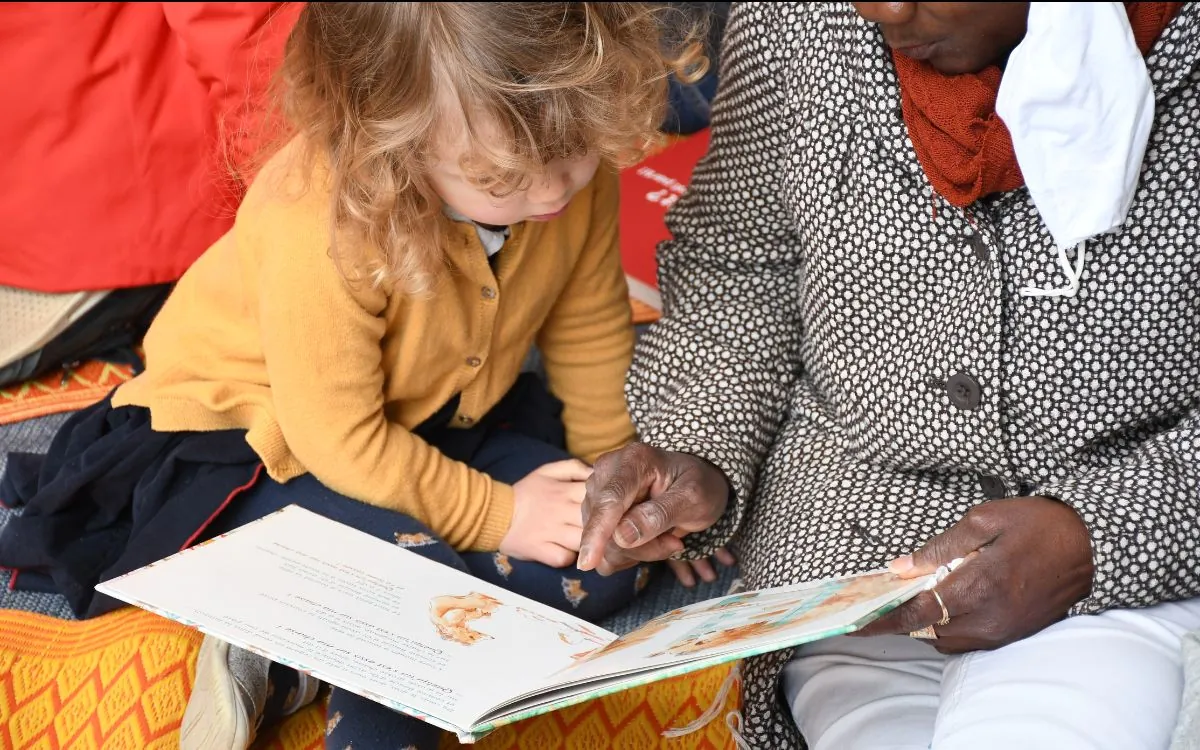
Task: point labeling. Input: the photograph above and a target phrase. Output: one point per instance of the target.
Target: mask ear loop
(733, 720)
(732, 680)
(1073, 273)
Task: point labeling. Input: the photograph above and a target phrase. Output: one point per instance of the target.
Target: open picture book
(425, 639)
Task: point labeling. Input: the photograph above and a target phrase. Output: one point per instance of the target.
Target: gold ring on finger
(926, 633)
(945, 612)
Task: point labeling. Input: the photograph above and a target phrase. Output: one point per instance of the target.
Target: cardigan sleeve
(1143, 517)
(712, 377)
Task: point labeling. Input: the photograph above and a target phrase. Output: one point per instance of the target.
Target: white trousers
(1100, 682)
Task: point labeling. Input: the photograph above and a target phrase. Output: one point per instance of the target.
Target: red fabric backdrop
(117, 119)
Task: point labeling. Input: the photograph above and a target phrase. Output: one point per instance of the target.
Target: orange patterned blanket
(61, 391)
(121, 682)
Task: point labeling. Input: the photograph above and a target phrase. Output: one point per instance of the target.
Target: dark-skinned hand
(640, 500)
(1027, 561)
(687, 571)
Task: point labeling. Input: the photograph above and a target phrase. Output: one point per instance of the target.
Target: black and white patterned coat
(853, 351)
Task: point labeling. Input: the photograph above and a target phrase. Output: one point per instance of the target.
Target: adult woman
(872, 344)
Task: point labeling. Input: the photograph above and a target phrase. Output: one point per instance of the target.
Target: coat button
(488, 292)
(964, 391)
(993, 487)
(474, 361)
(980, 248)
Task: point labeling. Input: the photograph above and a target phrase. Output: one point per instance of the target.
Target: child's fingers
(570, 470)
(569, 537)
(566, 512)
(725, 557)
(556, 555)
(569, 512)
(572, 493)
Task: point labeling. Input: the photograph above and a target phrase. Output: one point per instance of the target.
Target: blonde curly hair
(369, 87)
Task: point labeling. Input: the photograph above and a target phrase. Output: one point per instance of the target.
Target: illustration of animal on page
(458, 619)
(452, 616)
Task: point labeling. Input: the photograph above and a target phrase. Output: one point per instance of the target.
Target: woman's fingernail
(901, 565)
(628, 533)
(581, 561)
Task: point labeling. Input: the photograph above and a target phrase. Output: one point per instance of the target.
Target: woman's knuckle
(636, 453)
(639, 450)
(607, 462)
(655, 514)
(608, 494)
(991, 627)
(986, 517)
(592, 482)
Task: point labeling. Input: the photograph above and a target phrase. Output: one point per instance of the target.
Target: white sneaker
(229, 696)
(227, 700)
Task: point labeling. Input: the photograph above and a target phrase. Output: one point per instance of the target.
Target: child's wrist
(497, 517)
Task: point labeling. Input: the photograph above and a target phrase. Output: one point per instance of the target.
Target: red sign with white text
(648, 189)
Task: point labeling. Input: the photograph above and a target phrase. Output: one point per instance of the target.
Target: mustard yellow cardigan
(264, 333)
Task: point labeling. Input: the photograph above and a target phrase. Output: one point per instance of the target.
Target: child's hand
(687, 570)
(547, 522)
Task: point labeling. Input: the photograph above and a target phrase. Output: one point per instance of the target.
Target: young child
(354, 345)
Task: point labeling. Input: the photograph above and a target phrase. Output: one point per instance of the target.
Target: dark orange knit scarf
(962, 145)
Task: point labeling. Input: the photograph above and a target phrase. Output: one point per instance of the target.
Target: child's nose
(551, 188)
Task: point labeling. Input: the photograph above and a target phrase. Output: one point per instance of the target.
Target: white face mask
(1079, 104)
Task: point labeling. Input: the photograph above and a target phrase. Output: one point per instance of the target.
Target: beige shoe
(229, 696)
(227, 700)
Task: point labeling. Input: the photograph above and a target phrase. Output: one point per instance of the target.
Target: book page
(714, 632)
(747, 623)
(364, 615)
